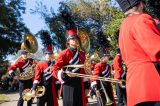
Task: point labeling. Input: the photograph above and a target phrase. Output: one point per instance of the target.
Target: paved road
(14, 98)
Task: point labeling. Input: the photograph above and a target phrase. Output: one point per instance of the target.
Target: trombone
(97, 78)
(121, 82)
(108, 100)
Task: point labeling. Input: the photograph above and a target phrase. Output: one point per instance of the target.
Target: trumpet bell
(27, 95)
(40, 91)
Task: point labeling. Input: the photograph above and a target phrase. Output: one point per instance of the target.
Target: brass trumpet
(27, 93)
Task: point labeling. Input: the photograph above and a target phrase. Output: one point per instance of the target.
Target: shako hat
(127, 4)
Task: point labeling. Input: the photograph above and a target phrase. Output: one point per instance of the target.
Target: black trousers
(25, 84)
(149, 104)
(92, 92)
(46, 98)
(72, 93)
(57, 87)
(121, 94)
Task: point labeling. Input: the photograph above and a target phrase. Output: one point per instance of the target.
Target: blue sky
(33, 21)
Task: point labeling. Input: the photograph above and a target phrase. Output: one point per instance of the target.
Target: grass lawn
(3, 98)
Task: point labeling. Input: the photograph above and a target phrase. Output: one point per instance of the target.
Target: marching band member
(43, 75)
(93, 63)
(73, 88)
(91, 67)
(44, 78)
(23, 65)
(139, 41)
(103, 69)
(117, 66)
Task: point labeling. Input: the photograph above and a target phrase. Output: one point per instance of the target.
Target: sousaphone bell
(30, 43)
(84, 41)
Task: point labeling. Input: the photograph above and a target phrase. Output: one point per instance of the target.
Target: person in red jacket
(103, 69)
(119, 74)
(139, 40)
(91, 68)
(92, 64)
(73, 88)
(43, 77)
(23, 64)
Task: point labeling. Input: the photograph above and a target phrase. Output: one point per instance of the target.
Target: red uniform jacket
(117, 66)
(21, 64)
(99, 69)
(40, 68)
(64, 57)
(139, 42)
(92, 66)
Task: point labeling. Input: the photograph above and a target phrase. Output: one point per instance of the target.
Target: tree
(54, 22)
(11, 26)
(92, 16)
(113, 27)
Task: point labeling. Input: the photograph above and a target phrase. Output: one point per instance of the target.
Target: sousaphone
(30, 43)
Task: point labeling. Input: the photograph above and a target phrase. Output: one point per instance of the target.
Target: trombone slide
(95, 77)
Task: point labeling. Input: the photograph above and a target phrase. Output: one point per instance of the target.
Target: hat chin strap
(73, 46)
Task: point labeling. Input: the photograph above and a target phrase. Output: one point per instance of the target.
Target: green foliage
(3, 67)
(113, 27)
(55, 24)
(93, 16)
(11, 26)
